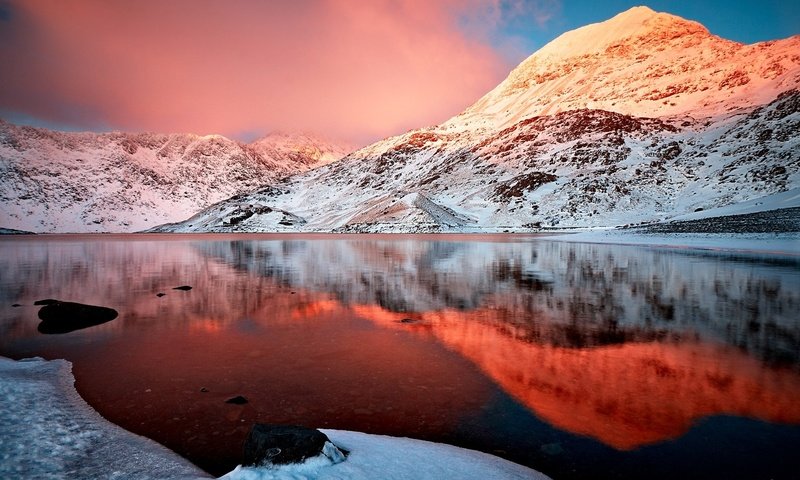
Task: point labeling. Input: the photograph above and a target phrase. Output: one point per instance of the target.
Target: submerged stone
(285, 444)
(160, 294)
(64, 317)
(183, 287)
(237, 400)
(16, 305)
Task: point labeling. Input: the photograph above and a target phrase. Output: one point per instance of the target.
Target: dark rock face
(64, 317)
(183, 287)
(237, 400)
(281, 444)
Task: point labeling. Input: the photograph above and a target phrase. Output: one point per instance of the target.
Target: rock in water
(237, 400)
(160, 294)
(284, 444)
(64, 317)
(183, 287)
(46, 301)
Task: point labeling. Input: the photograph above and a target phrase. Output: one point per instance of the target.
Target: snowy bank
(48, 431)
(771, 243)
(378, 456)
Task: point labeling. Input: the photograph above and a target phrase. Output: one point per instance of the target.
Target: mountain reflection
(560, 294)
(626, 345)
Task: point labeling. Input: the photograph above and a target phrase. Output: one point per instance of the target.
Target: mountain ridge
(631, 135)
(99, 182)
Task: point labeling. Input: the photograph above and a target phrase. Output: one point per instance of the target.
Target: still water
(582, 361)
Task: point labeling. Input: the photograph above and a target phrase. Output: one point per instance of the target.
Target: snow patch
(392, 458)
(48, 431)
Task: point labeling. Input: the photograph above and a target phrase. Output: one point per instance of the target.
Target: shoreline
(782, 244)
(48, 430)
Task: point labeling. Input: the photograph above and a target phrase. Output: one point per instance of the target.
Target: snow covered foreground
(48, 431)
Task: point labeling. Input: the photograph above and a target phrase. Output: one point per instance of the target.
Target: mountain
(639, 63)
(119, 182)
(637, 119)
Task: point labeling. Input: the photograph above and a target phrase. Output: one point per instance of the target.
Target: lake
(582, 361)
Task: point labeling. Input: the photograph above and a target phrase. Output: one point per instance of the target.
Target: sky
(356, 70)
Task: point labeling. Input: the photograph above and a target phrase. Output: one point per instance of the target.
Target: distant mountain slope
(637, 119)
(118, 182)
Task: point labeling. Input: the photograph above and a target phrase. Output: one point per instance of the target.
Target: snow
(392, 458)
(48, 431)
(642, 63)
(610, 170)
(122, 182)
(787, 199)
(596, 37)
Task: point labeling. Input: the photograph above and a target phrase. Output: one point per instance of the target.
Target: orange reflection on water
(206, 325)
(314, 309)
(627, 395)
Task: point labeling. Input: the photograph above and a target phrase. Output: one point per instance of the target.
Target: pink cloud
(356, 69)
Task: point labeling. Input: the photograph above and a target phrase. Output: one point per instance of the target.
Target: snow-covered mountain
(640, 63)
(119, 182)
(637, 119)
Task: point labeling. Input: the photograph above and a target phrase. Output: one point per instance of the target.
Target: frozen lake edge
(48, 431)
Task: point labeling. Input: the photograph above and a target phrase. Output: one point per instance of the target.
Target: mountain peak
(633, 23)
(639, 62)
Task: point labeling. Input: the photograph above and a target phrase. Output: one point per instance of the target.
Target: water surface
(573, 359)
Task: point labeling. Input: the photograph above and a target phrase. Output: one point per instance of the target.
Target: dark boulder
(64, 317)
(16, 305)
(160, 294)
(183, 287)
(237, 400)
(46, 301)
(285, 444)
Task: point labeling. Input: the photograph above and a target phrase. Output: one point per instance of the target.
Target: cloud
(358, 70)
(507, 25)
